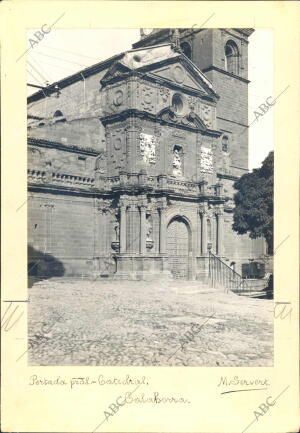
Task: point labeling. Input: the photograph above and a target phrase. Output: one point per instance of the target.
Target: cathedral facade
(131, 162)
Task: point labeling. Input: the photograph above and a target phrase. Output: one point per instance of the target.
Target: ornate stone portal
(139, 186)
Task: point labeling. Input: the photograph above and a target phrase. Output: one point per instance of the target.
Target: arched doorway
(178, 246)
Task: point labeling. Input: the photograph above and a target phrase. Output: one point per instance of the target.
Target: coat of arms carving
(206, 160)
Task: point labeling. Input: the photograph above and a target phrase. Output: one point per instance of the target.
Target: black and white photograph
(150, 197)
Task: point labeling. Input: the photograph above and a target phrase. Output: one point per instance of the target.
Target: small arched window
(225, 143)
(59, 114)
(186, 49)
(231, 57)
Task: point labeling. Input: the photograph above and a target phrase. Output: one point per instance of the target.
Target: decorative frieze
(165, 94)
(192, 102)
(148, 98)
(206, 115)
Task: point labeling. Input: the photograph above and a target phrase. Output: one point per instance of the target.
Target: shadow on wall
(42, 266)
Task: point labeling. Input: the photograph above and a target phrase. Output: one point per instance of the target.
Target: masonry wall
(238, 248)
(232, 118)
(232, 107)
(61, 234)
(87, 133)
(73, 101)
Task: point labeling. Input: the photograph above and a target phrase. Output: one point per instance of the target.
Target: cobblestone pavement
(146, 323)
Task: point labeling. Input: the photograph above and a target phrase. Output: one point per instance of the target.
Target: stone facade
(131, 162)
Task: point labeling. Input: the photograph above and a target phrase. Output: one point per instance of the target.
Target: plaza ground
(142, 323)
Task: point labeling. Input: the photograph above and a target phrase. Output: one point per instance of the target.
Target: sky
(63, 52)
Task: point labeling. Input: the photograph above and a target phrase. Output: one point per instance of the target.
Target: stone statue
(147, 146)
(117, 231)
(100, 164)
(148, 229)
(177, 170)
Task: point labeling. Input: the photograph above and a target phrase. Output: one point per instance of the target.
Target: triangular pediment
(164, 62)
(183, 72)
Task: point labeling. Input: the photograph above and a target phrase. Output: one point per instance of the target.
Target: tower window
(186, 49)
(231, 57)
(225, 146)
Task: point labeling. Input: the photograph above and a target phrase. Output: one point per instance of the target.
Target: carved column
(102, 244)
(123, 228)
(203, 230)
(162, 228)
(143, 229)
(219, 215)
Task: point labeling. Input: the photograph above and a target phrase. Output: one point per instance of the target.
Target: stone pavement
(146, 323)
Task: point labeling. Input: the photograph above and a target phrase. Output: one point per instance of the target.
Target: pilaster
(162, 206)
(123, 226)
(220, 222)
(133, 131)
(203, 216)
(143, 229)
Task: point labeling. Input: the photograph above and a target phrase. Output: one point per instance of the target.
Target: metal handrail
(225, 264)
(220, 274)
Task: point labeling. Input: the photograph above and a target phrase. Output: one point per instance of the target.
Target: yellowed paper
(49, 399)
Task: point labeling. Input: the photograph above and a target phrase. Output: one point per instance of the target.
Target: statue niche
(100, 165)
(148, 148)
(116, 233)
(177, 161)
(149, 230)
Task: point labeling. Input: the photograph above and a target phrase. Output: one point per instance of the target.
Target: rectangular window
(82, 161)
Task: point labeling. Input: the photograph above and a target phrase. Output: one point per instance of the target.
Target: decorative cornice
(222, 71)
(145, 115)
(246, 32)
(227, 176)
(164, 82)
(40, 142)
(69, 190)
(149, 76)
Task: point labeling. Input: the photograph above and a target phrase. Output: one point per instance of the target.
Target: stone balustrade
(36, 176)
(171, 184)
(182, 186)
(39, 176)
